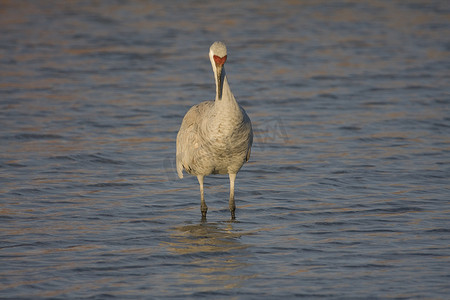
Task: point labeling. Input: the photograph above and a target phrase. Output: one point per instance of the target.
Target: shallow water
(346, 194)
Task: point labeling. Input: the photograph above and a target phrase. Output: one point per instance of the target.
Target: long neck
(227, 107)
(227, 96)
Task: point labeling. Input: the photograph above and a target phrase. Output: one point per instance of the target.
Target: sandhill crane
(215, 137)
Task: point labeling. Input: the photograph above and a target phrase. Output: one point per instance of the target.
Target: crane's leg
(232, 205)
(203, 206)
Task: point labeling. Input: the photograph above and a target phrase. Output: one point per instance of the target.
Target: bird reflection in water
(215, 257)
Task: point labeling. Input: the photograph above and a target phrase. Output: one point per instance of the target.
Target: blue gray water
(347, 191)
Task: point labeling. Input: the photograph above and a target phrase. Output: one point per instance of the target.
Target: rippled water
(347, 191)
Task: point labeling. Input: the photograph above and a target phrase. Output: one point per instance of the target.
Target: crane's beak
(220, 73)
(219, 69)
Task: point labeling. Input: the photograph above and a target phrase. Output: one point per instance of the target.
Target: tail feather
(180, 172)
(179, 167)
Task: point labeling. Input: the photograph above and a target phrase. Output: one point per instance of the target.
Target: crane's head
(218, 57)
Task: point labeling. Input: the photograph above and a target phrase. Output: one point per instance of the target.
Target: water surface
(346, 194)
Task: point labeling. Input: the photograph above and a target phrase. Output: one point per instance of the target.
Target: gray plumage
(215, 137)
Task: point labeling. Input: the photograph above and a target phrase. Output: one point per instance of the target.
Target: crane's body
(215, 137)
